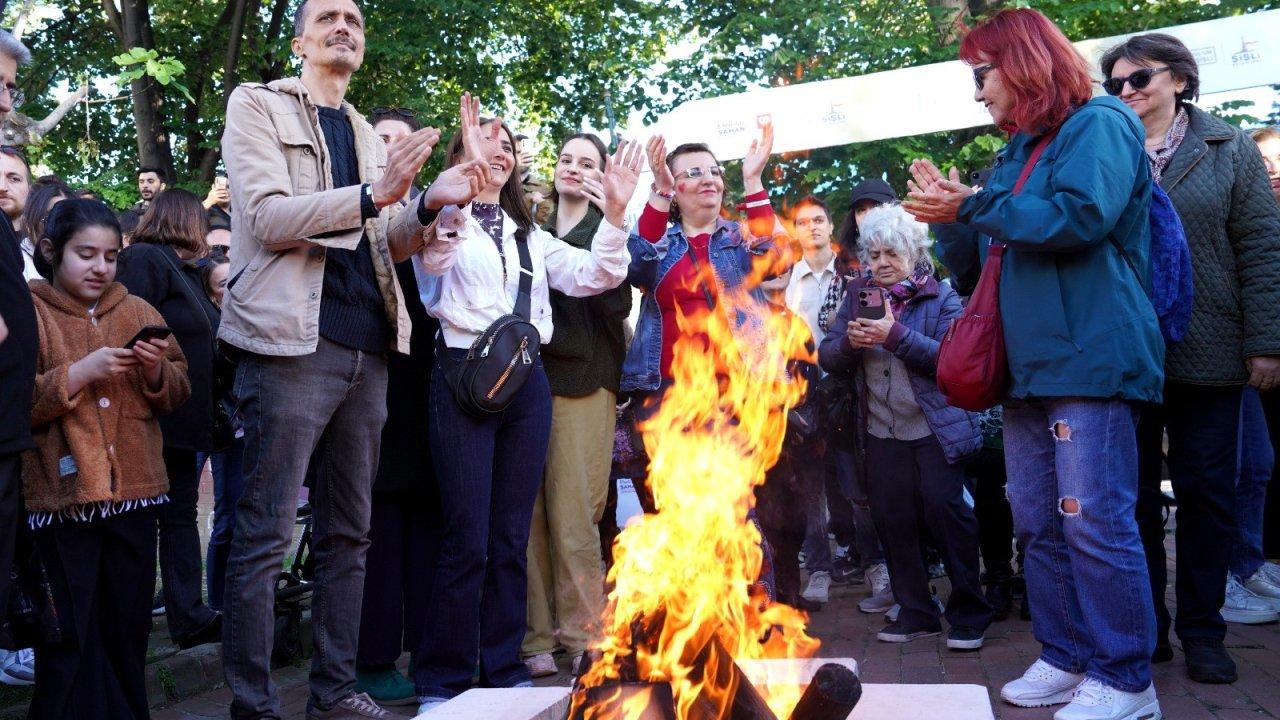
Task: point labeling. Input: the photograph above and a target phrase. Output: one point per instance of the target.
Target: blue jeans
(488, 471)
(331, 403)
(228, 484)
(1073, 486)
(817, 546)
(1257, 460)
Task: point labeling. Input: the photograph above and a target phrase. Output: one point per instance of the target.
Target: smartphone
(147, 334)
(871, 303)
(220, 181)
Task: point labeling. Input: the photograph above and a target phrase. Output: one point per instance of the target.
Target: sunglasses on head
(402, 112)
(696, 173)
(980, 75)
(1137, 80)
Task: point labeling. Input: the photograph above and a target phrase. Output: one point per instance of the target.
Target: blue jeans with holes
(1085, 569)
(1257, 460)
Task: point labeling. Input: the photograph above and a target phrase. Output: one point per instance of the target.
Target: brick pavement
(1010, 648)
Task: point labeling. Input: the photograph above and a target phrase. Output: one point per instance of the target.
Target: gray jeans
(332, 402)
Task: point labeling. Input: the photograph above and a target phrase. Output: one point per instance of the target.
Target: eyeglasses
(980, 75)
(16, 96)
(696, 173)
(1137, 80)
(402, 112)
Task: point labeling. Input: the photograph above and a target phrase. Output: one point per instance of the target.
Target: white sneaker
(881, 598)
(1264, 585)
(542, 665)
(1271, 571)
(1245, 607)
(1095, 701)
(1041, 685)
(18, 668)
(819, 588)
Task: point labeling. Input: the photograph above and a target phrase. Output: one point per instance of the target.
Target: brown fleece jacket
(103, 443)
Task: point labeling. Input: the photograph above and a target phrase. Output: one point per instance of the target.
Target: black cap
(875, 190)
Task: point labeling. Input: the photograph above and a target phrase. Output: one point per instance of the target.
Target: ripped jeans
(1073, 486)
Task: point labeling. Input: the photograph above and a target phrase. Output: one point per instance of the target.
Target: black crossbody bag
(500, 361)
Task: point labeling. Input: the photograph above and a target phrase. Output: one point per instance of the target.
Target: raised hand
(621, 174)
(474, 136)
(458, 185)
(754, 162)
(405, 158)
(656, 149)
(593, 187)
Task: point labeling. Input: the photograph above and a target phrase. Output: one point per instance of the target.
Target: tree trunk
(146, 95)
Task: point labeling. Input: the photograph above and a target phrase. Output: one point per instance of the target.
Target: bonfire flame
(686, 576)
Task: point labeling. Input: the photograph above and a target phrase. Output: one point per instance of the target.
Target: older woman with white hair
(886, 337)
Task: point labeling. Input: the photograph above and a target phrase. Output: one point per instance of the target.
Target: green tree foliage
(545, 64)
(549, 62)
(743, 44)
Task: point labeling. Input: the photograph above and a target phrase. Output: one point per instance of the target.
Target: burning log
(726, 692)
(832, 694)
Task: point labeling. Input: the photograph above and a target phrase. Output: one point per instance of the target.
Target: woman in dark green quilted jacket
(1218, 183)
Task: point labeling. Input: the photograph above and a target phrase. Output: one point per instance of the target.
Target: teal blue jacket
(1077, 320)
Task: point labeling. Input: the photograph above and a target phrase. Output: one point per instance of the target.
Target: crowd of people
(455, 374)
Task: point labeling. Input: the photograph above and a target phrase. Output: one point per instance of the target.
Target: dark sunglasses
(980, 75)
(1138, 80)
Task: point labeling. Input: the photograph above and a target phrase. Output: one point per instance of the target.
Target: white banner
(1233, 53)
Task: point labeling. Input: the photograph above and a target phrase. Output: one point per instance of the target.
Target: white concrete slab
(540, 703)
(879, 702)
(923, 702)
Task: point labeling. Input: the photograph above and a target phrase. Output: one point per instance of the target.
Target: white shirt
(807, 290)
(29, 271)
(467, 292)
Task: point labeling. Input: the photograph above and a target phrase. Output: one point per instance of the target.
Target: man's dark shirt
(351, 306)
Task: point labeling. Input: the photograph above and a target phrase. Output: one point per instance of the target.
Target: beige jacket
(285, 212)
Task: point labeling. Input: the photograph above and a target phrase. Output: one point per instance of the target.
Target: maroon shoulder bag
(973, 369)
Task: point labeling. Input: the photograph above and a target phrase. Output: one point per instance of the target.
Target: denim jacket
(731, 262)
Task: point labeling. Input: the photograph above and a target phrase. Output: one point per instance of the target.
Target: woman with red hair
(1068, 202)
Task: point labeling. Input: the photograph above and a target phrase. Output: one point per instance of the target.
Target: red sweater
(680, 287)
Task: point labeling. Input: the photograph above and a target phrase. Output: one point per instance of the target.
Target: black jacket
(156, 274)
(18, 352)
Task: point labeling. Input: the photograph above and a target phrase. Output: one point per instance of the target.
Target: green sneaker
(386, 687)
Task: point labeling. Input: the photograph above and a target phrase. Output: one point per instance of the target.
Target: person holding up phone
(886, 336)
(97, 477)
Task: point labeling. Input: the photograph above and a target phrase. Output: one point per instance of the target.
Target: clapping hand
(621, 175)
(656, 149)
(754, 162)
(932, 197)
(458, 185)
(474, 136)
(405, 158)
